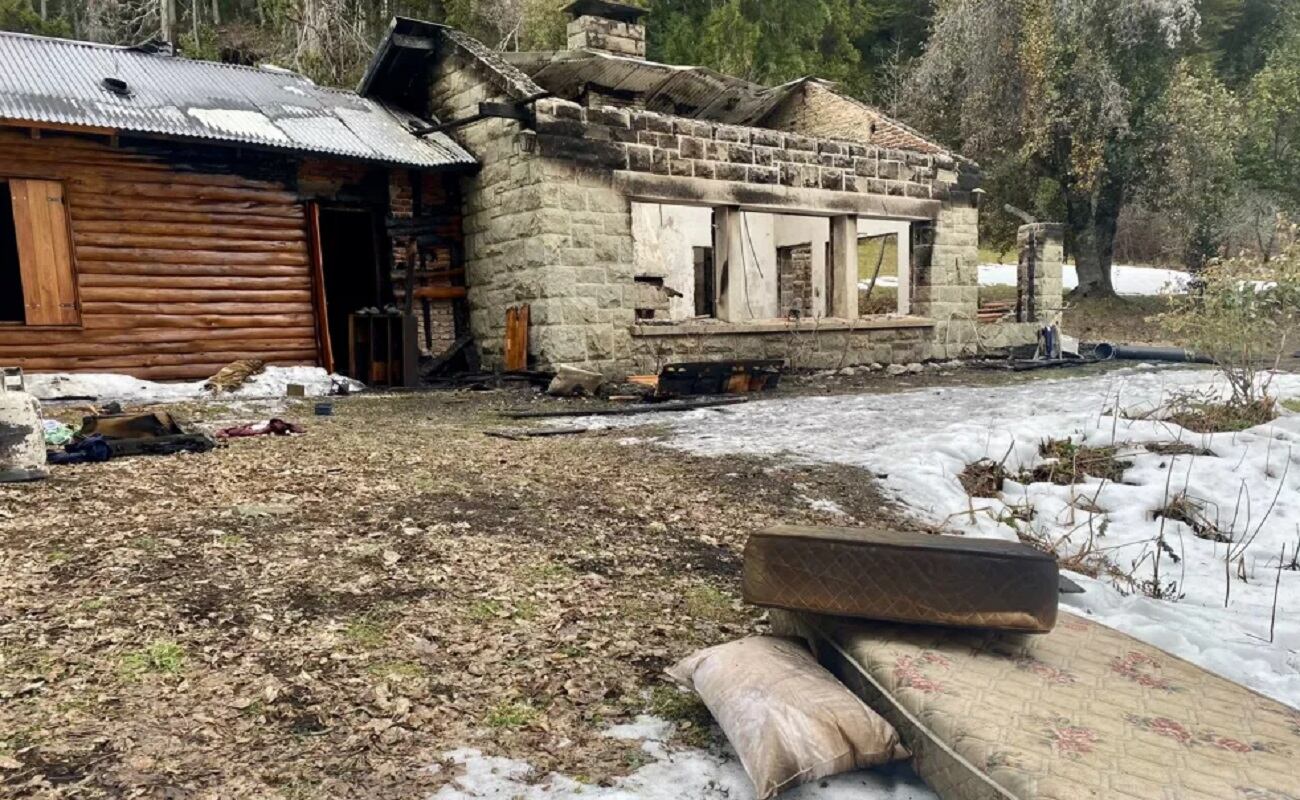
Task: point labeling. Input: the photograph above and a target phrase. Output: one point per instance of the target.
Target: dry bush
(1070, 463)
(1241, 313)
(983, 478)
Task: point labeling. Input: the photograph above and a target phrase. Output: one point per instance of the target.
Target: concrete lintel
(862, 324)
(678, 190)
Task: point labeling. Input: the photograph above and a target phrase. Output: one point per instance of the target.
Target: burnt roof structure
(144, 91)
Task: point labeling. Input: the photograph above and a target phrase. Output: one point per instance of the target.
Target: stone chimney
(604, 26)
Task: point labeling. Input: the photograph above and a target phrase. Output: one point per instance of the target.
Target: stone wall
(794, 272)
(547, 223)
(802, 345)
(1039, 283)
(644, 141)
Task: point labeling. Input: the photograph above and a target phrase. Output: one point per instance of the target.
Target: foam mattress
(902, 577)
(1082, 712)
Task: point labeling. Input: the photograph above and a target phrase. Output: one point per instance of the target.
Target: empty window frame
(36, 274)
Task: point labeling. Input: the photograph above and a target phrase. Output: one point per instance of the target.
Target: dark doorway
(352, 268)
(705, 301)
(11, 278)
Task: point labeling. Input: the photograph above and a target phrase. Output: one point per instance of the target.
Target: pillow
(789, 720)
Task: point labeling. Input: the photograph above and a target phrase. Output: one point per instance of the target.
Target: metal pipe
(1133, 352)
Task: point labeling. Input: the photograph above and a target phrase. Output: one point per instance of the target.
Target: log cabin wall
(181, 266)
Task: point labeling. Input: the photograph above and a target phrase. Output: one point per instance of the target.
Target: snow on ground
(921, 440)
(1127, 280)
(669, 775)
(105, 387)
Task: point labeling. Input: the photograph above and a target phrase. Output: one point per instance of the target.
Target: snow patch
(671, 774)
(241, 122)
(1133, 281)
(922, 440)
(105, 387)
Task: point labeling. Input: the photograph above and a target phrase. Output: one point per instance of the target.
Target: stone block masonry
(1039, 283)
(547, 220)
(644, 141)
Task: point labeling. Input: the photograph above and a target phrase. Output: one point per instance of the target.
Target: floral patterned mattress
(1081, 712)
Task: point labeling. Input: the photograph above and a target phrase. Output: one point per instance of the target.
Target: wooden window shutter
(44, 252)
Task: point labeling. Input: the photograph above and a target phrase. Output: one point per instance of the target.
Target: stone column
(1039, 286)
(729, 264)
(844, 268)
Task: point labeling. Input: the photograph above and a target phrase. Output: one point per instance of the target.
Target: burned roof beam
(488, 110)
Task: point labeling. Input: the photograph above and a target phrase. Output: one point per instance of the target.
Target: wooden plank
(176, 309)
(142, 294)
(206, 320)
(162, 256)
(181, 241)
(84, 349)
(110, 207)
(324, 347)
(516, 356)
(251, 283)
(12, 337)
(98, 228)
(440, 292)
(97, 266)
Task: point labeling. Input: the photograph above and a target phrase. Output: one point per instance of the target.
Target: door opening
(11, 279)
(353, 274)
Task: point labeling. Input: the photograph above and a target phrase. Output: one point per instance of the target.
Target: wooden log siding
(178, 273)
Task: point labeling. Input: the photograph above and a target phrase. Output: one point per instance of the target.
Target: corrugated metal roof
(60, 81)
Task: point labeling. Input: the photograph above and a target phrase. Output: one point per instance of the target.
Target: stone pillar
(947, 281)
(843, 272)
(729, 264)
(1039, 285)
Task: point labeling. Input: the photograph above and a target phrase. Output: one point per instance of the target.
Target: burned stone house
(162, 217)
(648, 212)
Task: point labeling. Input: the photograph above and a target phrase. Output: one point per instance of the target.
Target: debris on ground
(234, 375)
(697, 378)
(267, 427)
(520, 434)
(623, 411)
(574, 382)
(57, 434)
(108, 436)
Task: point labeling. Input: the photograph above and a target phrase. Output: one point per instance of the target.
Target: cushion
(789, 720)
(902, 577)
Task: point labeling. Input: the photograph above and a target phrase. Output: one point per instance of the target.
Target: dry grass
(983, 478)
(1192, 513)
(1069, 463)
(1215, 417)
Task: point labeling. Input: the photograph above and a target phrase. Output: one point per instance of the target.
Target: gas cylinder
(22, 435)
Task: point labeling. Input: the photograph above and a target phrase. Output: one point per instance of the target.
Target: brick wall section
(437, 328)
(795, 285)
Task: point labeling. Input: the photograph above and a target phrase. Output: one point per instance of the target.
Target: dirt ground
(325, 615)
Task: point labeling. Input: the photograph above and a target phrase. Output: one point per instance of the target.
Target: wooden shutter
(44, 252)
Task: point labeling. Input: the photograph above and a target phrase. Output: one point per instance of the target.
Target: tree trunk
(1093, 218)
(216, 13)
(167, 20)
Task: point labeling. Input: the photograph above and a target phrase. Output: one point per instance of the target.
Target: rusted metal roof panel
(63, 82)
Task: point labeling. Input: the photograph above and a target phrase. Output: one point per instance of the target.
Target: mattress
(1082, 712)
(902, 577)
